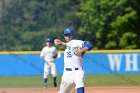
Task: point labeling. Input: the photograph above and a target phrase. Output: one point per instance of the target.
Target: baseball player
(49, 53)
(73, 65)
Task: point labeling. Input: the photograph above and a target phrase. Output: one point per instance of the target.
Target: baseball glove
(54, 56)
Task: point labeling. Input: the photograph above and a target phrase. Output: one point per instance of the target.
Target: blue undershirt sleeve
(86, 44)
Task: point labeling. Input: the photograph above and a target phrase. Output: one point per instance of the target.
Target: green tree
(114, 23)
(26, 23)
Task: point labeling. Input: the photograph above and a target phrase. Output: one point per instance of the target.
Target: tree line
(106, 24)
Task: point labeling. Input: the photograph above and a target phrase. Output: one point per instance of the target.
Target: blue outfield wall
(96, 62)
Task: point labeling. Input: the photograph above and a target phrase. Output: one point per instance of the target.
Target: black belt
(70, 69)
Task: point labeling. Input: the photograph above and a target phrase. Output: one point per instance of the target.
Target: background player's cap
(48, 40)
(68, 31)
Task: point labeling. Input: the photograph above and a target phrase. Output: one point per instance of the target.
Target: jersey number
(69, 55)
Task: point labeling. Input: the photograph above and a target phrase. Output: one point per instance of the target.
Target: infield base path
(87, 90)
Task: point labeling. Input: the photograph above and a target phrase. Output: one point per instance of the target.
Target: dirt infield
(87, 90)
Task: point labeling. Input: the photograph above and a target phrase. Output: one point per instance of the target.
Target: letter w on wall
(115, 61)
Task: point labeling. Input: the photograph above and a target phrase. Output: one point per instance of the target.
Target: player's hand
(57, 41)
(79, 53)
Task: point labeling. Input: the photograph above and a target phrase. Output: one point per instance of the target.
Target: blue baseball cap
(48, 40)
(68, 31)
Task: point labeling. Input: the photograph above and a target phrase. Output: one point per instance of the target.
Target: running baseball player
(73, 65)
(49, 53)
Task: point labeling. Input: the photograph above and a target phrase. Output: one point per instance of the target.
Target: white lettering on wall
(131, 62)
(115, 60)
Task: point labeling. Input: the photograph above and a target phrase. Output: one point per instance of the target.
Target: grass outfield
(112, 80)
(91, 81)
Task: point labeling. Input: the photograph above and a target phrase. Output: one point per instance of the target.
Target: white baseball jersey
(47, 53)
(71, 62)
(70, 59)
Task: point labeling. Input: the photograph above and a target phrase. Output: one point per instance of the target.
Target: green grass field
(91, 81)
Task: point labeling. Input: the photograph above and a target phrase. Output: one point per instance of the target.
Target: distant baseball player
(49, 53)
(73, 64)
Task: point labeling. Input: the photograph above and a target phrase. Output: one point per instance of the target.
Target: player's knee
(79, 84)
(45, 76)
(80, 90)
(54, 75)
